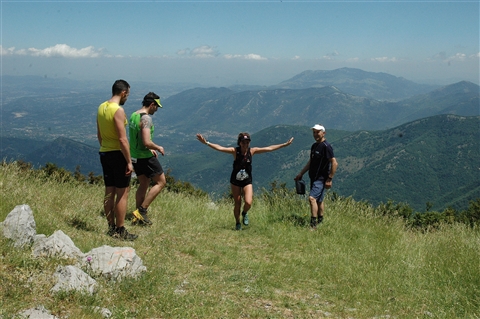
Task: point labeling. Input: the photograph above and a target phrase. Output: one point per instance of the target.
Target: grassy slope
(356, 265)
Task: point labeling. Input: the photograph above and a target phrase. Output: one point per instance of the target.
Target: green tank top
(137, 148)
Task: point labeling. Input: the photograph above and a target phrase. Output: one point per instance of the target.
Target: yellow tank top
(106, 123)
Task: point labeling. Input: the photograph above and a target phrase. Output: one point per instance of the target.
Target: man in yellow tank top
(115, 158)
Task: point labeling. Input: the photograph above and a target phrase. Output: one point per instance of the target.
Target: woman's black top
(242, 169)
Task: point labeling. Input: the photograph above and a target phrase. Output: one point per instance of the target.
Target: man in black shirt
(321, 168)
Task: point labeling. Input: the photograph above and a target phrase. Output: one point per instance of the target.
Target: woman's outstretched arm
(203, 140)
(270, 148)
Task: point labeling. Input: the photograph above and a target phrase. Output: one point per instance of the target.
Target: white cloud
(9, 51)
(297, 57)
(384, 59)
(113, 56)
(233, 56)
(250, 56)
(331, 56)
(204, 51)
(458, 57)
(59, 50)
(183, 52)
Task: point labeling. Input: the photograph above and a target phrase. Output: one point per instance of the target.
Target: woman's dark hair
(242, 136)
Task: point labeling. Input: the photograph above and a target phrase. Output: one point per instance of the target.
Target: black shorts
(147, 166)
(242, 183)
(114, 167)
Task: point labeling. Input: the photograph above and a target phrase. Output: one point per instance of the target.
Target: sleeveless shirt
(241, 162)
(106, 124)
(137, 148)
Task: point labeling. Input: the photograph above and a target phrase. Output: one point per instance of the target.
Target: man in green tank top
(144, 157)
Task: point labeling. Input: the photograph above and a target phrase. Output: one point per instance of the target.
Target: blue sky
(221, 43)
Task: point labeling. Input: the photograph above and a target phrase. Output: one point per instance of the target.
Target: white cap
(318, 127)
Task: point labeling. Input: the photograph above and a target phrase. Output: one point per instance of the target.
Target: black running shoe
(111, 230)
(123, 234)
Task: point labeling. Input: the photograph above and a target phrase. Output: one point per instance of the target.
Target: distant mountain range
(43, 121)
(460, 98)
(378, 86)
(54, 112)
(222, 110)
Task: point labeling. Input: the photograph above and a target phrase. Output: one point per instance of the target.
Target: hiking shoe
(111, 230)
(245, 218)
(123, 234)
(320, 219)
(313, 223)
(238, 226)
(141, 218)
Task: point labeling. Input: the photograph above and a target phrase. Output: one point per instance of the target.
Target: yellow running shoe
(141, 218)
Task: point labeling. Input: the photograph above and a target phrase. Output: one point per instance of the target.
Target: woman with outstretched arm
(241, 177)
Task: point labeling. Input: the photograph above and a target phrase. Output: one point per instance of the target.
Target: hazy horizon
(223, 43)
